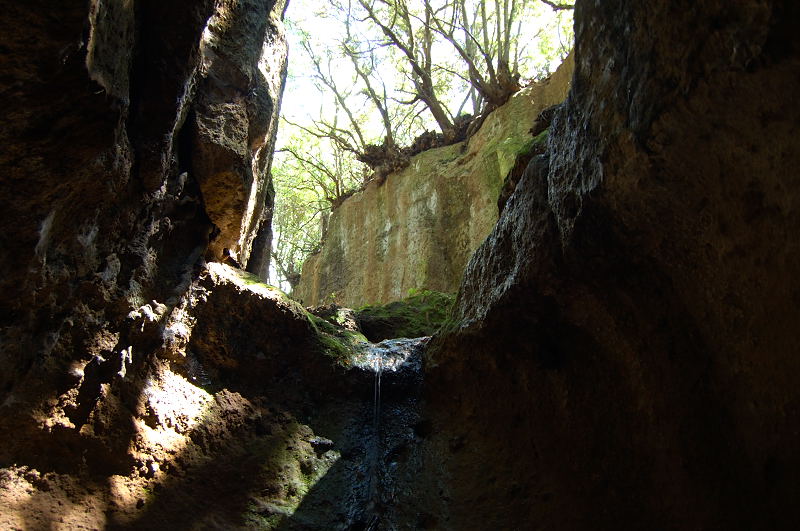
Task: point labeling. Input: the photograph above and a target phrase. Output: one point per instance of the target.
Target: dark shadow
(240, 478)
(295, 430)
(379, 457)
(219, 489)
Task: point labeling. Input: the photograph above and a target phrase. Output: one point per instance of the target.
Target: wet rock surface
(378, 439)
(267, 429)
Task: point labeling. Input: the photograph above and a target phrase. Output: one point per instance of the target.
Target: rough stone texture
(623, 352)
(234, 124)
(239, 408)
(104, 226)
(84, 240)
(624, 349)
(418, 228)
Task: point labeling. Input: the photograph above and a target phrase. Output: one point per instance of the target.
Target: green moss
(422, 313)
(149, 494)
(336, 342)
(341, 316)
(250, 279)
(258, 521)
(255, 283)
(278, 461)
(541, 138)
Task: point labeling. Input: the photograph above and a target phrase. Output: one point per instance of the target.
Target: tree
(323, 163)
(364, 63)
(412, 34)
(296, 222)
(486, 46)
(385, 71)
(484, 34)
(559, 6)
(350, 138)
(312, 176)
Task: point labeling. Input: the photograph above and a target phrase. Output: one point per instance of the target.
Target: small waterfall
(399, 359)
(376, 409)
(375, 449)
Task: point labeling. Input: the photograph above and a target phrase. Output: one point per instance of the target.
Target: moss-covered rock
(420, 314)
(336, 341)
(536, 146)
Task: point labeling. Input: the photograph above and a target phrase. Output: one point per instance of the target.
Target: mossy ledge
(335, 341)
(331, 334)
(422, 313)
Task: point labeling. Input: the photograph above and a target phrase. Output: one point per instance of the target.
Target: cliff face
(113, 155)
(624, 348)
(113, 152)
(418, 228)
(136, 140)
(234, 125)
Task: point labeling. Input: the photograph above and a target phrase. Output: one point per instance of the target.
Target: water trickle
(389, 355)
(395, 359)
(376, 412)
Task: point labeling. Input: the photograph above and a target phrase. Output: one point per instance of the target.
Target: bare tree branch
(556, 6)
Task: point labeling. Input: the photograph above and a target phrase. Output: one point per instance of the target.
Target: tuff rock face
(624, 346)
(111, 144)
(106, 207)
(241, 73)
(417, 228)
(219, 427)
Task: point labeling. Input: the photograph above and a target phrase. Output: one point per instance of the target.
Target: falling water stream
(394, 360)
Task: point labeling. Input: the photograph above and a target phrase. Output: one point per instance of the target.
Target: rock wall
(418, 228)
(624, 349)
(136, 143)
(234, 125)
(108, 197)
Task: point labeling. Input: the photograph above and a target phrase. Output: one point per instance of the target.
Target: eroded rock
(625, 346)
(234, 125)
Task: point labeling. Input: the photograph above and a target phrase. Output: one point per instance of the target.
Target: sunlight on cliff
(174, 407)
(245, 281)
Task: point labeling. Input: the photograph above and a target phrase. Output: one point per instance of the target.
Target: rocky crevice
(621, 352)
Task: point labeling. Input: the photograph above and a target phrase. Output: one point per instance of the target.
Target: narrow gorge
(621, 351)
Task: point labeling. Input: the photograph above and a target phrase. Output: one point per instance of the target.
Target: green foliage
(301, 211)
(422, 313)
